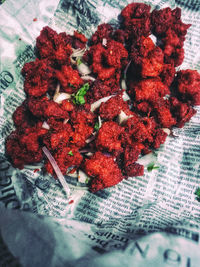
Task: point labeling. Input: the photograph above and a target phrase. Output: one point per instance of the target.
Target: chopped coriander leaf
(70, 153)
(96, 126)
(197, 193)
(78, 98)
(87, 180)
(79, 61)
(152, 167)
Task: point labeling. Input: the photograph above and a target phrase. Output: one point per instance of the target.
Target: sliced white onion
(83, 69)
(45, 125)
(89, 154)
(97, 104)
(57, 91)
(82, 177)
(104, 42)
(65, 121)
(78, 52)
(147, 159)
(87, 77)
(57, 170)
(125, 96)
(89, 140)
(60, 97)
(33, 166)
(126, 69)
(100, 122)
(73, 175)
(166, 130)
(122, 117)
(153, 38)
(123, 84)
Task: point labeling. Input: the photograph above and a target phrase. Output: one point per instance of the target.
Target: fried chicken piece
(134, 169)
(39, 77)
(173, 48)
(23, 146)
(44, 108)
(104, 31)
(65, 157)
(167, 24)
(82, 121)
(163, 113)
(168, 74)
(99, 90)
(132, 152)
(106, 61)
(54, 46)
(108, 138)
(78, 40)
(59, 137)
(104, 171)
(136, 18)
(111, 108)
(188, 86)
(69, 79)
(183, 112)
(140, 129)
(159, 138)
(148, 89)
(146, 57)
(22, 117)
(166, 18)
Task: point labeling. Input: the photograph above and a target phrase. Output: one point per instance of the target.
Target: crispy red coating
(104, 171)
(53, 46)
(140, 129)
(23, 146)
(104, 31)
(147, 58)
(159, 138)
(99, 90)
(44, 108)
(163, 113)
(109, 137)
(136, 18)
(132, 153)
(22, 117)
(166, 18)
(107, 61)
(188, 86)
(69, 79)
(65, 157)
(167, 25)
(149, 89)
(39, 75)
(183, 112)
(58, 138)
(134, 169)
(111, 108)
(168, 74)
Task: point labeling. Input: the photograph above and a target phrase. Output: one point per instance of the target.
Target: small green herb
(78, 98)
(96, 126)
(197, 193)
(152, 167)
(87, 180)
(79, 61)
(70, 153)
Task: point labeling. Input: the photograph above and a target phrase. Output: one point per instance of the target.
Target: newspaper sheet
(143, 221)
